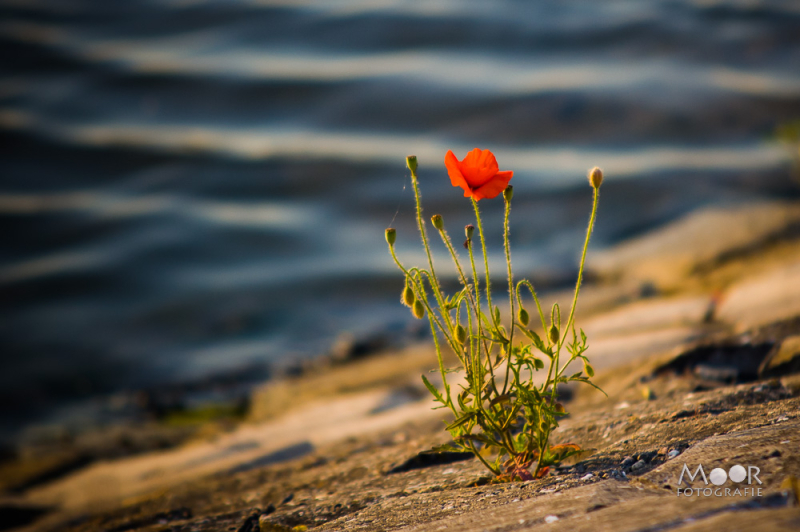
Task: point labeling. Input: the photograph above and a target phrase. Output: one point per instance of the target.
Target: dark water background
(194, 189)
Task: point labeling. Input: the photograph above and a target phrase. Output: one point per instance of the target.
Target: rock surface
(331, 451)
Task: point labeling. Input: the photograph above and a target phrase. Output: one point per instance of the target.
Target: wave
(202, 54)
(271, 215)
(551, 165)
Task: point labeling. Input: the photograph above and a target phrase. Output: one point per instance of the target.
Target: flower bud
(508, 193)
(588, 369)
(595, 177)
(468, 230)
(418, 310)
(391, 235)
(523, 316)
(437, 221)
(461, 334)
(553, 334)
(408, 296)
(411, 162)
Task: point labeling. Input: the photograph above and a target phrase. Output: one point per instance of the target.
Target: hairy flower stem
(420, 290)
(554, 362)
(475, 304)
(437, 292)
(580, 271)
(477, 359)
(488, 288)
(510, 293)
(528, 284)
(485, 256)
(433, 323)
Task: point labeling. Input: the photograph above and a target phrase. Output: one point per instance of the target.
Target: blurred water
(195, 187)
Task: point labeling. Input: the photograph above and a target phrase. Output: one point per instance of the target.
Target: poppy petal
(454, 171)
(478, 167)
(495, 186)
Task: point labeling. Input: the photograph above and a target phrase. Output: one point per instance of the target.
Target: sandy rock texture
(694, 334)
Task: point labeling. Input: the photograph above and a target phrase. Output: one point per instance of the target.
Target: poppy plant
(478, 174)
(503, 413)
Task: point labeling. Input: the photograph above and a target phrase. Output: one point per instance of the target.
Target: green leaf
(447, 448)
(505, 398)
(482, 438)
(463, 420)
(593, 385)
(537, 341)
(431, 388)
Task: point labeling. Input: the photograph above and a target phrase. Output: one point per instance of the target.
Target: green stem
(433, 323)
(580, 269)
(441, 368)
(569, 321)
(437, 292)
(488, 288)
(420, 289)
(510, 293)
(475, 305)
(478, 374)
(535, 299)
(485, 256)
(478, 454)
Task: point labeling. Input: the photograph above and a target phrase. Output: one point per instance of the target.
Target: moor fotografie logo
(736, 482)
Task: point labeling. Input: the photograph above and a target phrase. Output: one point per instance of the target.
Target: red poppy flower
(477, 174)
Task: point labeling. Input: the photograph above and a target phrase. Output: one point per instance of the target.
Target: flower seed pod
(418, 310)
(437, 221)
(588, 369)
(595, 177)
(553, 334)
(461, 334)
(523, 316)
(468, 230)
(391, 235)
(508, 193)
(408, 296)
(411, 162)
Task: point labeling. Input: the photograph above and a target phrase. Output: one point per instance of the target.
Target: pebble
(628, 461)
(587, 476)
(673, 453)
(551, 519)
(638, 466)
(646, 456)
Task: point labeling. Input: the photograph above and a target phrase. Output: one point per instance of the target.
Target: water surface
(191, 188)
